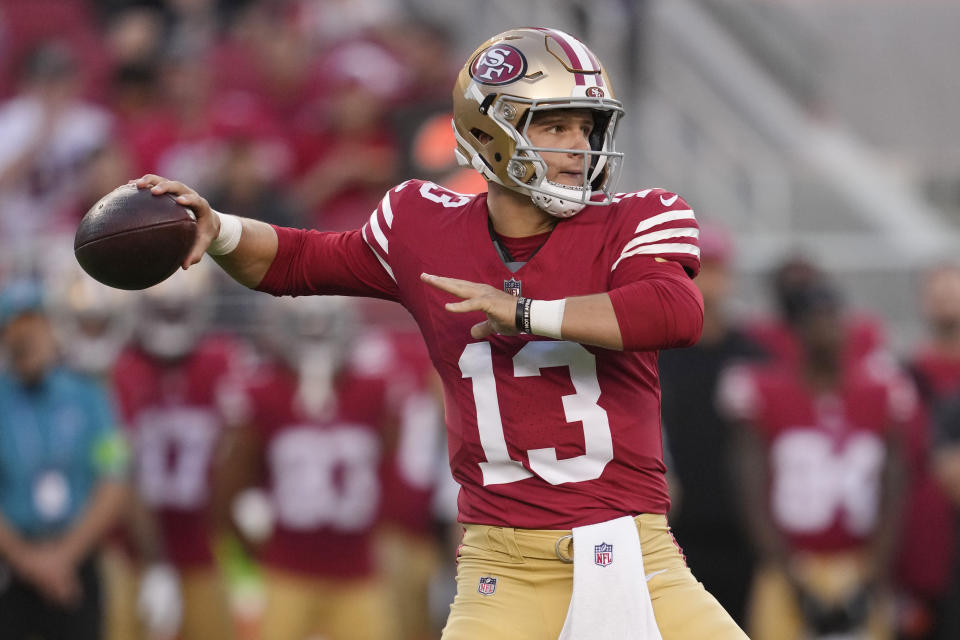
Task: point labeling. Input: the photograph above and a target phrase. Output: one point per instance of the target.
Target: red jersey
(926, 554)
(415, 454)
(863, 335)
(542, 433)
(825, 451)
(321, 471)
(173, 413)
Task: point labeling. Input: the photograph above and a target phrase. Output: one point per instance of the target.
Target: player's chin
(569, 179)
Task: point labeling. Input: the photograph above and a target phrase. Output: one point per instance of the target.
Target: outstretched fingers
(459, 288)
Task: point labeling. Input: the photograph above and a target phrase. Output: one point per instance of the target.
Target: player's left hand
(500, 306)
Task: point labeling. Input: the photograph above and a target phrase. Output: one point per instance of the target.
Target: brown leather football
(132, 239)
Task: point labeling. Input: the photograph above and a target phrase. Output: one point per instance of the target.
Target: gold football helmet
(509, 78)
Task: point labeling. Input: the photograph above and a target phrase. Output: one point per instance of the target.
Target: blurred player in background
(928, 548)
(410, 535)
(705, 517)
(63, 481)
(168, 384)
(532, 422)
(820, 457)
(790, 283)
(93, 322)
(314, 416)
(946, 467)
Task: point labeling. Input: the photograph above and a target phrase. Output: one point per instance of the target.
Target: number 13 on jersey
(476, 363)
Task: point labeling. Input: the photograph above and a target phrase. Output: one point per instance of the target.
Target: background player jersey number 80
(476, 363)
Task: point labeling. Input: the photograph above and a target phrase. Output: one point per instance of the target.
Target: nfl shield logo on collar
(512, 286)
(487, 586)
(603, 554)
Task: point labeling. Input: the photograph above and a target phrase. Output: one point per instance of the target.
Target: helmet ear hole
(481, 136)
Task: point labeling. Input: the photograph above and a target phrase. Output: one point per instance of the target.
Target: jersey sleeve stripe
(662, 218)
(657, 236)
(659, 249)
(383, 262)
(377, 232)
(387, 210)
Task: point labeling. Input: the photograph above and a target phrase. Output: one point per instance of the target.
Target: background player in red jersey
(168, 384)
(411, 533)
(552, 396)
(311, 435)
(822, 480)
(927, 552)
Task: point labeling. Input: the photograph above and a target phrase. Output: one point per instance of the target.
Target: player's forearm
(249, 262)
(652, 314)
(106, 505)
(591, 320)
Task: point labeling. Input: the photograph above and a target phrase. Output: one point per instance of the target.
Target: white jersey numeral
(813, 482)
(476, 363)
(174, 448)
(436, 193)
(325, 478)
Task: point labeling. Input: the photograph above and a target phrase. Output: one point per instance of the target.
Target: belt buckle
(556, 549)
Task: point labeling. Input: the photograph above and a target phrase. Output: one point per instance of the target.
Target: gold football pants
(533, 586)
(206, 609)
(300, 607)
(774, 613)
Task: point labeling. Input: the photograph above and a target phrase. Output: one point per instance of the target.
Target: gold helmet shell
(510, 77)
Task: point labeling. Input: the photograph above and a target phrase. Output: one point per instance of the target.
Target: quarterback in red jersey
(543, 303)
(168, 385)
(821, 467)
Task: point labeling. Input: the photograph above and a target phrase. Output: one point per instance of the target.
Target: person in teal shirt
(63, 467)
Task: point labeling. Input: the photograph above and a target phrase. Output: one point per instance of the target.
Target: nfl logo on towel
(487, 585)
(603, 554)
(512, 287)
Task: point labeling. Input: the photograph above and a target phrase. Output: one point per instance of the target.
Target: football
(132, 239)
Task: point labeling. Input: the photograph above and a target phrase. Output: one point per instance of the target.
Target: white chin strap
(560, 200)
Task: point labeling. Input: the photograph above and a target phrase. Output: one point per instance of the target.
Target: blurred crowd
(198, 462)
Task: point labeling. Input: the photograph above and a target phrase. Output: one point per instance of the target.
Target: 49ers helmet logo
(498, 64)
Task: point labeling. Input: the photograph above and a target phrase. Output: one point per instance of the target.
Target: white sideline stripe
(657, 236)
(667, 216)
(377, 232)
(383, 262)
(387, 210)
(657, 249)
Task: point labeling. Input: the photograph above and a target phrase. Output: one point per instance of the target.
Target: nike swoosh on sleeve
(667, 202)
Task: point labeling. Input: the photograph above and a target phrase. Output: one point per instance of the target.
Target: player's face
(562, 129)
(822, 332)
(941, 299)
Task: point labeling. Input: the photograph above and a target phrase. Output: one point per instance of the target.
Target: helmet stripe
(562, 39)
(580, 58)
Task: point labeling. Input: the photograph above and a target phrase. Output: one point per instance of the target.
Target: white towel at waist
(610, 599)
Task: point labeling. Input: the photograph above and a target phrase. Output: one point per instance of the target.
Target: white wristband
(546, 317)
(229, 237)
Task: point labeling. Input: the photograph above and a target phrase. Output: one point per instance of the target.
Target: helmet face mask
(509, 80)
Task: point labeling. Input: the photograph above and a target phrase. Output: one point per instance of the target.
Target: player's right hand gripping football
(208, 225)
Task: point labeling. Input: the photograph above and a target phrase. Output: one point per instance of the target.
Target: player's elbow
(658, 313)
(688, 317)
